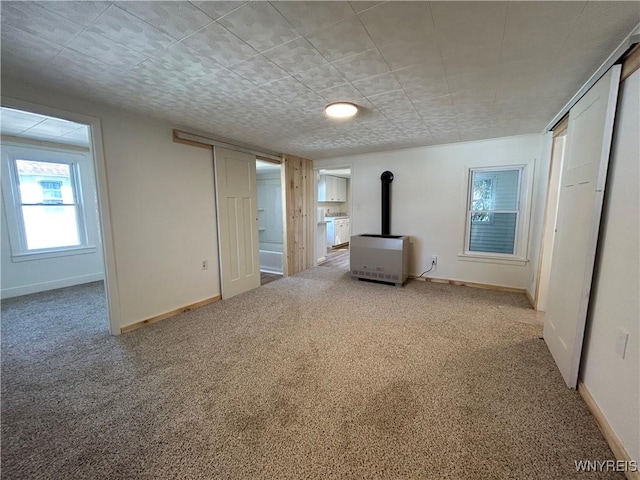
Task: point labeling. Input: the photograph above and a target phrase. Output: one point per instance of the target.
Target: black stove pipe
(387, 178)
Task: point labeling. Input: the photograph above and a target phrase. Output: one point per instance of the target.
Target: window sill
(499, 259)
(42, 255)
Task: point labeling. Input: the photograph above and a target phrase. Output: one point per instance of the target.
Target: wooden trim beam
(462, 283)
(193, 143)
(609, 435)
(170, 314)
(562, 127)
(181, 136)
(630, 63)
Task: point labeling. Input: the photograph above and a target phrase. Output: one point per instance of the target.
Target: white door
(579, 208)
(237, 203)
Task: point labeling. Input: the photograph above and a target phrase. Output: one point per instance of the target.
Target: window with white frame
(43, 199)
(494, 211)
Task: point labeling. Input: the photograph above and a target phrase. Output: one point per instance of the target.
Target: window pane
(483, 192)
(50, 226)
(495, 236)
(507, 190)
(45, 182)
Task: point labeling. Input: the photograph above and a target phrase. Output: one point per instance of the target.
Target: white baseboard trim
(52, 285)
(609, 435)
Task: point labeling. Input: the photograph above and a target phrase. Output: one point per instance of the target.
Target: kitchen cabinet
(338, 231)
(332, 189)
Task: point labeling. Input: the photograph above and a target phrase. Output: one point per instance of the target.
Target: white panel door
(237, 202)
(579, 209)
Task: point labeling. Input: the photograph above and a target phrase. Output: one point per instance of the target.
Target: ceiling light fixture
(341, 110)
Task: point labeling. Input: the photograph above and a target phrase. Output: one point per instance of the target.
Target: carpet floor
(314, 376)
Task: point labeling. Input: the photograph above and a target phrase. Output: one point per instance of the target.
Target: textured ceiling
(38, 127)
(424, 73)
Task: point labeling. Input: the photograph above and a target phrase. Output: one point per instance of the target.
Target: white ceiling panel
(483, 30)
(260, 25)
(39, 22)
(362, 65)
(259, 70)
(217, 9)
(392, 22)
(177, 18)
(340, 92)
(38, 127)
(321, 78)
(311, 16)
(105, 50)
(52, 127)
(187, 61)
(537, 27)
(219, 44)
(13, 122)
(448, 14)
(403, 54)
(82, 12)
(70, 64)
(296, 56)
(377, 85)
(360, 6)
(342, 39)
(126, 29)
(262, 72)
(21, 45)
(423, 81)
(222, 81)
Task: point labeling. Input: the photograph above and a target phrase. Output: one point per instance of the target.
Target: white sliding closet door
(236, 191)
(579, 209)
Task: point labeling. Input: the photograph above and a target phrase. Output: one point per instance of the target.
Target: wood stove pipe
(386, 178)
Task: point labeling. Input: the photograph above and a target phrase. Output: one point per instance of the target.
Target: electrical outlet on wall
(434, 260)
(205, 264)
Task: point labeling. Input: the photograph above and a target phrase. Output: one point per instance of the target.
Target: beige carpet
(313, 376)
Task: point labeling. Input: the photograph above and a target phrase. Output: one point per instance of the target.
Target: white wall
(162, 205)
(614, 382)
(429, 194)
(41, 274)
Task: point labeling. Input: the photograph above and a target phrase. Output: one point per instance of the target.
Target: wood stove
(384, 257)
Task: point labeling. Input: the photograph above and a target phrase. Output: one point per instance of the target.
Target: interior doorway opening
(333, 231)
(52, 252)
(270, 220)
